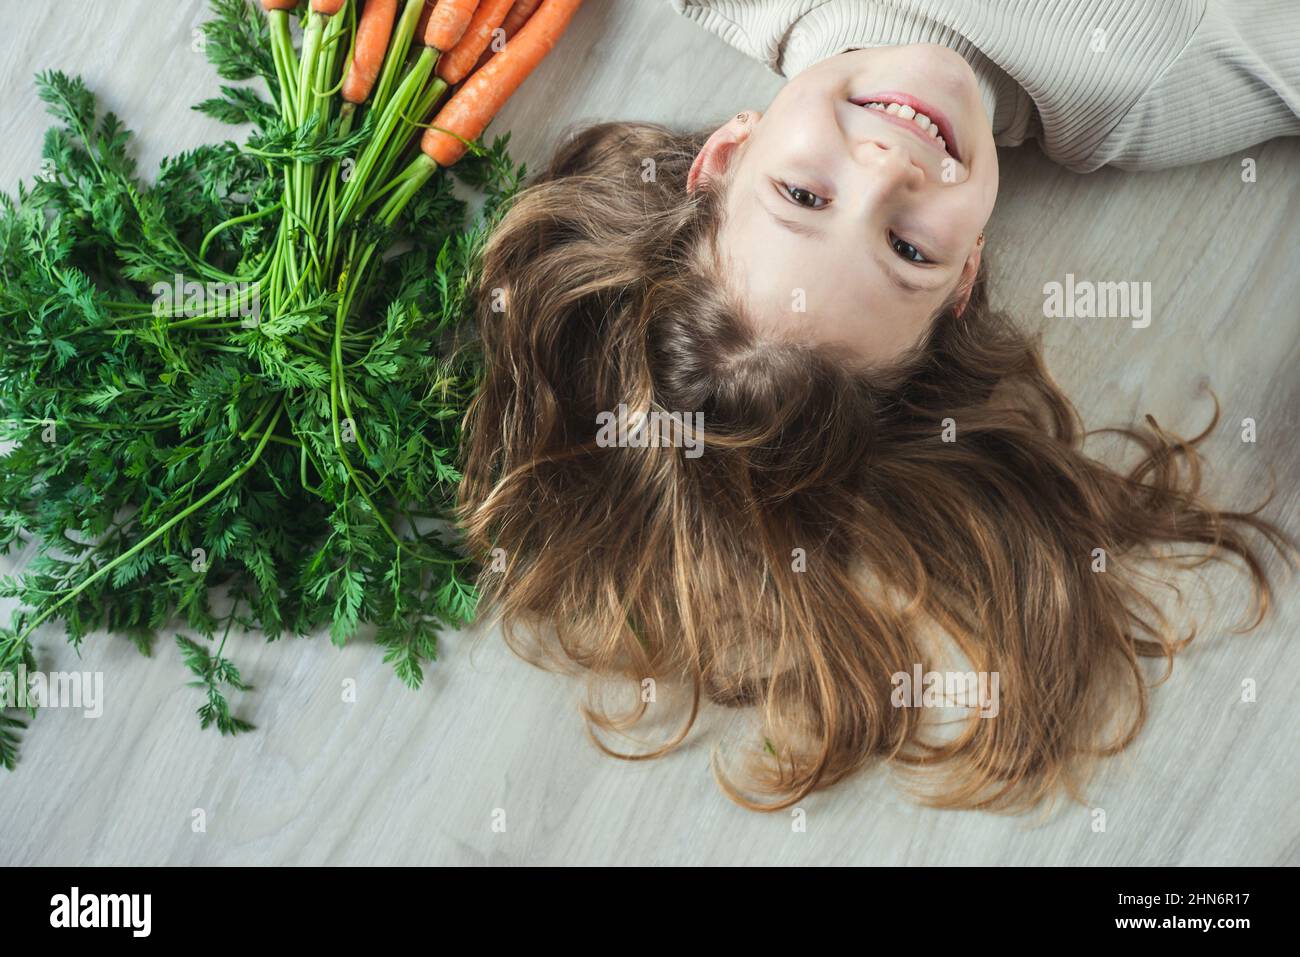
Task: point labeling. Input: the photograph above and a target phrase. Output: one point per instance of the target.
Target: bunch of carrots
(202, 424)
(391, 62)
(394, 62)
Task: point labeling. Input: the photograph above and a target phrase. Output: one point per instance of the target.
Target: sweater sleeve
(1235, 84)
(754, 27)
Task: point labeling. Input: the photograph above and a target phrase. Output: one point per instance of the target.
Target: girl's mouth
(916, 116)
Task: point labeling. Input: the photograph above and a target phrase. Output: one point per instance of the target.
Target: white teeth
(909, 113)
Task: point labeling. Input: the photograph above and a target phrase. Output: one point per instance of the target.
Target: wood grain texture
(413, 778)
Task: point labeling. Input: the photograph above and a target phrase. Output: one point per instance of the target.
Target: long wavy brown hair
(840, 527)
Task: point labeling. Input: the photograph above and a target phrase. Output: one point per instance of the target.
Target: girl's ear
(716, 154)
(968, 273)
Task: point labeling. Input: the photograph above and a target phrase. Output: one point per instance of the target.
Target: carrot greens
(232, 397)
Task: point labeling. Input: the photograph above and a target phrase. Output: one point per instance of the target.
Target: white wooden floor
(421, 777)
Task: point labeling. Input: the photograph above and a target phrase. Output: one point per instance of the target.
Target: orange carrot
(373, 32)
(448, 23)
(481, 97)
(327, 7)
(279, 4)
(487, 55)
(422, 25)
(455, 64)
(519, 14)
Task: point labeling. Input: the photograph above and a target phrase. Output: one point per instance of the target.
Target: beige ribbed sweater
(1138, 84)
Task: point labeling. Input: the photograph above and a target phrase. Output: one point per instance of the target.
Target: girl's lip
(936, 117)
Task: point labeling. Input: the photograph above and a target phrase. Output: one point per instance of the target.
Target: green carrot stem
(282, 51)
(302, 471)
(398, 143)
(281, 76)
(398, 47)
(388, 119)
(215, 311)
(262, 413)
(413, 177)
(311, 42)
(237, 220)
(327, 63)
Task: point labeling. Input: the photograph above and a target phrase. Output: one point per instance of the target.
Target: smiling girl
(842, 157)
(890, 480)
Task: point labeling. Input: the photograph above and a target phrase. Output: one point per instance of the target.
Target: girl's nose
(889, 166)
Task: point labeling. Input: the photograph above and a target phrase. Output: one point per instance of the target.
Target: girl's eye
(803, 197)
(906, 250)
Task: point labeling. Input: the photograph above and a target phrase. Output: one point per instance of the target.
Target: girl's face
(853, 224)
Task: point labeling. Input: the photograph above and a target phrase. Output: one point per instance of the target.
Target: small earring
(980, 240)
